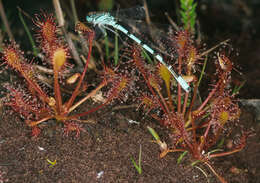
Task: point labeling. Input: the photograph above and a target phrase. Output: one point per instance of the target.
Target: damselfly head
(90, 18)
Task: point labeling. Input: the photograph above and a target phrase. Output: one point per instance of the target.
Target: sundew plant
(195, 127)
(35, 102)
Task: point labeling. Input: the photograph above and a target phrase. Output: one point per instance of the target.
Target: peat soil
(104, 150)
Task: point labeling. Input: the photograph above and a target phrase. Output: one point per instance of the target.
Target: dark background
(237, 20)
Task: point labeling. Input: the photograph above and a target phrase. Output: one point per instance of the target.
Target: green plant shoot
(52, 163)
(154, 134)
(139, 166)
(188, 14)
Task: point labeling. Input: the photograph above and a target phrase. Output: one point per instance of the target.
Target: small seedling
(181, 157)
(163, 145)
(52, 163)
(154, 134)
(139, 166)
(188, 14)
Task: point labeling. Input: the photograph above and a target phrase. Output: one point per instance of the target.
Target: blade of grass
(139, 166)
(5, 21)
(146, 56)
(203, 70)
(106, 46)
(181, 157)
(204, 173)
(35, 50)
(195, 162)
(116, 50)
(74, 11)
(220, 144)
(153, 132)
(237, 88)
(140, 157)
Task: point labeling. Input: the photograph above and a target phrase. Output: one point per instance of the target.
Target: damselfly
(104, 20)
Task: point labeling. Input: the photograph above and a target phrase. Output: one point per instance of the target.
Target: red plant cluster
(32, 102)
(194, 128)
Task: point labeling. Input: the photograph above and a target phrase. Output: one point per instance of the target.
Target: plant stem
(74, 11)
(169, 96)
(116, 50)
(163, 101)
(225, 153)
(185, 103)
(209, 96)
(57, 93)
(34, 123)
(92, 93)
(75, 92)
(35, 50)
(222, 180)
(59, 14)
(106, 46)
(89, 111)
(179, 86)
(5, 21)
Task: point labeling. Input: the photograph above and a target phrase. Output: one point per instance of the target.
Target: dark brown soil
(103, 154)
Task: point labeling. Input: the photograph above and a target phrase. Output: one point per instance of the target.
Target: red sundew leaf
(47, 30)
